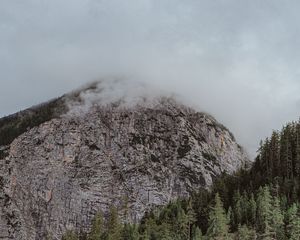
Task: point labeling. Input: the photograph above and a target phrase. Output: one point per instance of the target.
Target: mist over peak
(122, 92)
(234, 59)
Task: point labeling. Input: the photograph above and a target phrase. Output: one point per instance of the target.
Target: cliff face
(57, 175)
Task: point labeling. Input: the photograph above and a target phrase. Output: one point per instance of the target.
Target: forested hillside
(278, 161)
(257, 203)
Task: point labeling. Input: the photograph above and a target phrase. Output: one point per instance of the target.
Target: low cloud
(124, 92)
(235, 59)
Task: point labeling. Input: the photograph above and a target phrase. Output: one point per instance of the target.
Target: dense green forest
(257, 203)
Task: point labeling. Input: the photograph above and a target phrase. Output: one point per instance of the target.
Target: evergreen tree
(252, 210)
(245, 207)
(146, 227)
(165, 234)
(196, 233)
(283, 203)
(293, 226)
(130, 232)
(145, 236)
(191, 218)
(230, 217)
(218, 225)
(181, 224)
(97, 227)
(286, 152)
(114, 227)
(244, 233)
(264, 212)
(275, 154)
(238, 209)
(277, 224)
(177, 219)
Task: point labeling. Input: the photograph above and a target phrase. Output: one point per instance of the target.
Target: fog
(237, 60)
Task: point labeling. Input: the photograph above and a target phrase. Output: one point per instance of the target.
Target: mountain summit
(63, 161)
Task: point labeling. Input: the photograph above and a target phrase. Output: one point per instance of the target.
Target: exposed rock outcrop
(57, 175)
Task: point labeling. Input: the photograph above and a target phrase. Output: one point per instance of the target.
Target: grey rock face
(58, 175)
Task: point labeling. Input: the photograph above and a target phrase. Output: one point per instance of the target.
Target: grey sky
(238, 60)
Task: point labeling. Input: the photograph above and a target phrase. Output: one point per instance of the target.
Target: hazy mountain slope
(14, 125)
(59, 174)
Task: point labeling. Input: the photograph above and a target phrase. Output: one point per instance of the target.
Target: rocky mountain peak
(133, 152)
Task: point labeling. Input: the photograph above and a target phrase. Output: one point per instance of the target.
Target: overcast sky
(237, 59)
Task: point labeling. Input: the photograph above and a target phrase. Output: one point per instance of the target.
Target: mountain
(63, 161)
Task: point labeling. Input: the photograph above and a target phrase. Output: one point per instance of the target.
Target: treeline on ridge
(14, 125)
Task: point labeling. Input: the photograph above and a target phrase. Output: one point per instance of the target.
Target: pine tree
(245, 207)
(277, 224)
(267, 159)
(191, 217)
(177, 218)
(114, 227)
(238, 209)
(230, 217)
(196, 233)
(275, 154)
(286, 152)
(293, 226)
(130, 232)
(264, 212)
(146, 227)
(252, 210)
(218, 225)
(97, 227)
(165, 234)
(181, 223)
(244, 233)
